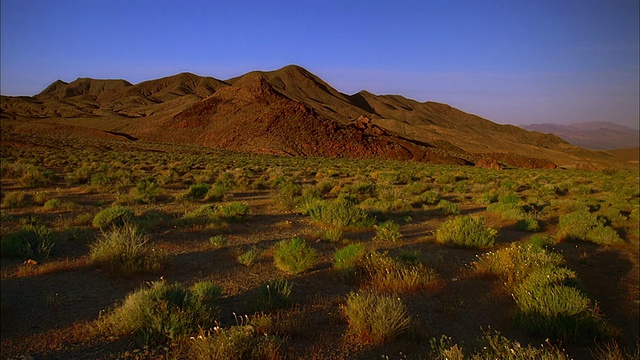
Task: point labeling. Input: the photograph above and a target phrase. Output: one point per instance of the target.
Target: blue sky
(511, 61)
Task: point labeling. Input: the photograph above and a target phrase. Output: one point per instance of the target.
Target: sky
(511, 61)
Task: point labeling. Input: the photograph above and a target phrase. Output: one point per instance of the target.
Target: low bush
(333, 235)
(164, 313)
(548, 303)
(384, 274)
(294, 256)
(232, 210)
(466, 231)
(376, 318)
(124, 250)
(114, 216)
(347, 260)
(237, 342)
(388, 231)
(28, 242)
(582, 225)
(197, 191)
(14, 199)
(274, 295)
(218, 240)
(341, 213)
(446, 207)
(528, 224)
(248, 257)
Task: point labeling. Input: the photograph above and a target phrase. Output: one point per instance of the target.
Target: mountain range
(289, 111)
(596, 135)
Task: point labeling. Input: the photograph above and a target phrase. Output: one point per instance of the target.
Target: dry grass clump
(384, 274)
(124, 250)
(163, 313)
(28, 242)
(376, 318)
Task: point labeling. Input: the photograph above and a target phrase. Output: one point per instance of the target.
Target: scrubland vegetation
(203, 254)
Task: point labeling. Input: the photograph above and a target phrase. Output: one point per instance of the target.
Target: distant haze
(599, 135)
(559, 62)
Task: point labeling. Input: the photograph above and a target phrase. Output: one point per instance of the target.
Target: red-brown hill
(286, 111)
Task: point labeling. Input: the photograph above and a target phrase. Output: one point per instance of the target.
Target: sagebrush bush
(114, 216)
(376, 318)
(528, 224)
(14, 199)
(294, 256)
(197, 191)
(28, 242)
(340, 213)
(466, 231)
(384, 274)
(163, 313)
(125, 250)
(548, 303)
(237, 342)
(447, 207)
(388, 231)
(583, 225)
(232, 210)
(347, 260)
(248, 257)
(274, 295)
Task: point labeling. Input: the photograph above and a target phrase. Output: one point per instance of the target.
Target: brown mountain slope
(253, 116)
(286, 111)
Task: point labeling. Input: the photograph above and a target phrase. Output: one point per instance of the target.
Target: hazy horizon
(527, 63)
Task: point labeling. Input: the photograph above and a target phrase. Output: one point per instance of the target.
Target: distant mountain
(599, 135)
(289, 111)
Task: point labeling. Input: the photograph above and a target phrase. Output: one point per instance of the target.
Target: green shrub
(164, 313)
(197, 191)
(294, 256)
(114, 216)
(387, 275)
(547, 307)
(509, 197)
(124, 250)
(310, 198)
(341, 213)
(583, 225)
(528, 224)
(428, 197)
(487, 198)
(36, 176)
(14, 199)
(376, 318)
(347, 259)
(28, 242)
(495, 346)
(466, 231)
(232, 210)
(218, 240)
(507, 210)
(248, 257)
(388, 231)
(516, 262)
(274, 295)
(541, 241)
(333, 235)
(288, 195)
(548, 303)
(446, 207)
(146, 191)
(218, 191)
